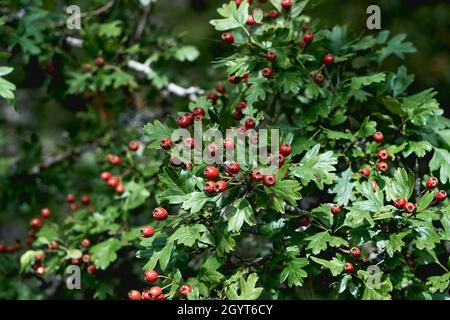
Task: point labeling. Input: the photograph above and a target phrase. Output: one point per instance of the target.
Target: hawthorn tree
(355, 209)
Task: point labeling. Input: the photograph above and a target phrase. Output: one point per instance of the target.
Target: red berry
(274, 13)
(188, 166)
(40, 271)
(382, 166)
(46, 213)
(374, 185)
(319, 78)
(105, 176)
(242, 105)
(53, 245)
(160, 213)
(355, 252)
(99, 61)
(257, 175)
(400, 203)
(155, 291)
(269, 180)
(87, 67)
(2, 248)
(365, 172)
(432, 182)
(212, 96)
(233, 167)
(198, 111)
(120, 188)
(328, 60)
(189, 143)
(220, 186)
(304, 221)
(286, 4)
(133, 145)
(75, 261)
(308, 37)
(228, 143)
(271, 56)
(147, 232)
(85, 200)
(335, 209)
(250, 124)
(234, 79)
(285, 149)
(441, 195)
(378, 137)
(85, 243)
(348, 267)
(281, 160)
(211, 173)
(250, 20)
(383, 155)
(183, 121)
(70, 198)
(209, 187)
(113, 159)
(228, 37)
(146, 295)
(237, 114)
(220, 88)
(212, 149)
(166, 143)
(134, 295)
(267, 72)
(113, 182)
(410, 207)
(73, 207)
(36, 223)
(185, 289)
(190, 117)
(151, 276)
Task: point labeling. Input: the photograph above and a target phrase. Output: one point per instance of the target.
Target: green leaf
(238, 214)
(419, 148)
(344, 188)
(335, 265)
(247, 289)
(233, 17)
(320, 241)
(398, 83)
(286, 190)
(110, 29)
(441, 162)
(439, 283)
(375, 200)
(355, 217)
(136, 193)
(445, 136)
(377, 293)
(445, 220)
(189, 234)
(427, 237)
(420, 107)
(155, 132)
(425, 200)
(316, 167)
(195, 201)
(288, 82)
(364, 81)
(368, 128)
(397, 47)
(293, 272)
(187, 53)
(104, 253)
(258, 91)
(402, 185)
(395, 243)
(177, 186)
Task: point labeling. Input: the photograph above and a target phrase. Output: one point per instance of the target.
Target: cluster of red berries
(11, 248)
(99, 62)
(72, 202)
(188, 118)
(36, 224)
(85, 258)
(38, 267)
(234, 79)
(159, 214)
(155, 292)
(355, 252)
(212, 173)
(237, 113)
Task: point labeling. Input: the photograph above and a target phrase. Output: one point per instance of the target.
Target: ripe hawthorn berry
(185, 289)
(211, 96)
(250, 20)
(304, 221)
(348, 267)
(285, 149)
(113, 159)
(189, 143)
(228, 143)
(228, 37)
(281, 160)
(73, 207)
(85, 243)
(250, 124)
(53, 245)
(274, 13)
(211, 173)
(166, 143)
(355, 252)
(212, 149)
(120, 189)
(70, 198)
(150, 276)
(183, 121)
(400, 203)
(147, 232)
(86, 258)
(209, 187)
(220, 88)
(257, 175)
(133, 145)
(155, 292)
(99, 61)
(308, 37)
(105, 175)
(305, 26)
(441, 196)
(319, 78)
(378, 137)
(432, 182)
(335, 209)
(365, 172)
(267, 72)
(146, 295)
(134, 295)
(233, 79)
(85, 200)
(410, 207)
(113, 182)
(328, 60)
(220, 186)
(233, 167)
(374, 185)
(36, 223)
(190, 117)
(76, 262)
(269, 180)
(242, 105)
(382, 166)
(198, 111)
(286, 4)
(159, 213)
(237, 114)
(40, 271)
(383, 155)
(46, 213)
(271, 56)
